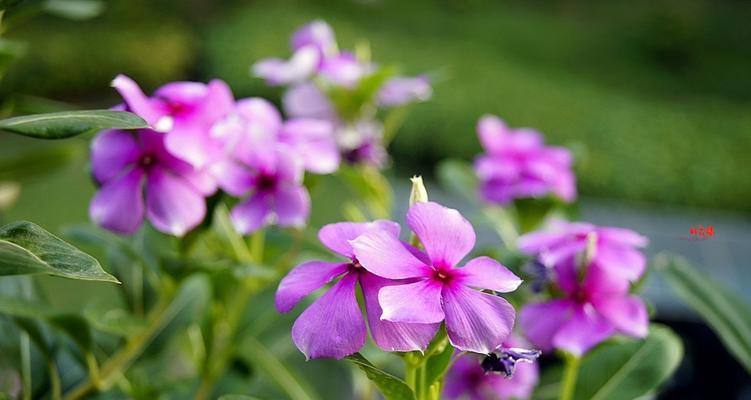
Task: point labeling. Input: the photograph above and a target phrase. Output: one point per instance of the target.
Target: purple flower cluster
(317, 69)
(407, 292)
(202, 140)
(593, 269)
(517, 164)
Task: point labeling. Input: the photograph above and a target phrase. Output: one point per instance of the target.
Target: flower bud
(418, 194)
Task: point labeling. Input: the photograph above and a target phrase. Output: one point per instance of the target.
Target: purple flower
(401, 90)
(317, 34)
(333, 326)
(306, 100)
(517, 164)
(133, 167)
(272, 184)
(616, 249)
(468, 379)
(256, 126)
(362, 143)
(475, 321)
(344, 70)
(303, 64)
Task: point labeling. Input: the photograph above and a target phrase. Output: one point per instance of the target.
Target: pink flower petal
(118, 205)
(541, 321)
(418, 302)
(337, 236)
(232, 177)
(446, 235)
(111, 152)
(313, 140)
(384, 255)
(292, 206)
(584, 330)
(487, 273)
(172, 205)
(303, 280)
(333, 326)
(476, 321)
(392, 336)
(628, 314)
(251, 214)
(622, 261)
(136, 100)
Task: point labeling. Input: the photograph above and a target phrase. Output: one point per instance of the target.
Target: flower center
(443, 275)
(355, 266)
(146, 161)
(581, 296)
(266, 182)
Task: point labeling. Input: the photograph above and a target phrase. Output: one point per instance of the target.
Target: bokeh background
(653, 96)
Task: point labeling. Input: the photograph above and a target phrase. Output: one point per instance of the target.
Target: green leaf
(458, 177)
(725, 312)
(72, 325)
(26, 248)
(76, 10)
(237, 397)
(390, 386)
(629, 369)
(4, 4)
(62, 125)
(114, 321)
(267, 363)
(9, 51)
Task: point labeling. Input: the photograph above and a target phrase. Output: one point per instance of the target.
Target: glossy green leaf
(725, 312)
(621, 369)
(76, 10)
(65, 124)
(26, 248)
(390, 386)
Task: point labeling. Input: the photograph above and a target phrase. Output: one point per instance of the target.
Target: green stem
(26, 365)
(159, 317)
(54, 380)
(570, 374)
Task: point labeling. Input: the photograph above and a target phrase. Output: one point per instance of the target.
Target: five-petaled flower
(475, 321)
(174, 191)
(333, 326)
(517, 164)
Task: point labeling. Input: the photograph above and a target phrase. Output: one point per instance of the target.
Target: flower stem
(54, 380)
(570, 374)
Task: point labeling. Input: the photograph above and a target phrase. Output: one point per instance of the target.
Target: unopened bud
(418, 194)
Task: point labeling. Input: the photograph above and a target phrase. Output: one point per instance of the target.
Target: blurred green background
(653, 96)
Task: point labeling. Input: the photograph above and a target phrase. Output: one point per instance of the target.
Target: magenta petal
(261, 115)
(384, 255)
(193, 145)
(622, 261)
(418, 302)
(219, 101)
(493, 134)
(446, 235)
(628, 314)
(476, 321)
(232, 177)
(118, 205)
(392, 336)
(584, 330)
(173, 205)
(541, 321)
(303, 280)
(136, 100)
(306, 100)
(111, 152)
(333, 326)
(251, 214)
(337, 236)
(292, 206)
(313, 140)
(622, 236)
(487, 273)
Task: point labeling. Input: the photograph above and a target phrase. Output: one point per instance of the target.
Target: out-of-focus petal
(417, 303)
(333, 326)
(306, 100)
(136, 100)
(111, 152)
(402, 90)
(622, 236)
(384, 255)
(172, 205)
(392, 336)
(493, 133)
(476, 321)
(337, 236)
(303, 280)
(446, 235)
(118, 205)
(487, 273)
(318, 34)
(343, 70)
(232, 177)
(628, 314)
(292, 206)
(196, 146)
(313, 140)
(251, 214)
(584, 330)
(279, 72)
(622, 261)
(541, 321)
